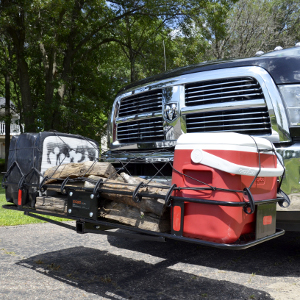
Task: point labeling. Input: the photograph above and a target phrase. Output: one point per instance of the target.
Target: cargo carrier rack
(25, 180)
(98, 225)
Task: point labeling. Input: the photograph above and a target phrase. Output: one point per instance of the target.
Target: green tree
(287, 19)
(49, 39)
(134, 36)
(6, 63)
(72, 56)
(213, 20)
(252, 25)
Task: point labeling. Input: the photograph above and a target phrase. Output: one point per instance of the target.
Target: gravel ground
(45, 261)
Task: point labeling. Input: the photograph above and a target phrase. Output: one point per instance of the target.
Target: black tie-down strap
(168, 195)
(62, 188)
(249, 208)
(286, 200)
(135, 196)
(15, 164)
(42, 186)
(97, 186)
(22, 182)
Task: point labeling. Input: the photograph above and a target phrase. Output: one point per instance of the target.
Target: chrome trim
(173, 91)
(240, 119)
(172, 129)
(140, 103)
(138, 157)
(138, 117)
(238, 88)
(221, 106)
(149, 145)
(225, 97)
(291, 182)
(136, 131)
(291, 158)
(223, 83)
(231, 125)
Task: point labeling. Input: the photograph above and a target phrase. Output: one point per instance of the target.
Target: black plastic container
(31, 154)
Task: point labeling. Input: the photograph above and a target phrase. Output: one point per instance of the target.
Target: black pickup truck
(258, 96)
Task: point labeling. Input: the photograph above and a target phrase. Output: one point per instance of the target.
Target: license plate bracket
(265, 220)
(83, 205)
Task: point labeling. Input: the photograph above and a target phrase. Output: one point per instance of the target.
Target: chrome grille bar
(219, 91)
(247, 114)
(240, 121)
(146, 130)
(247, 121)
(149, 101)
(223, 82)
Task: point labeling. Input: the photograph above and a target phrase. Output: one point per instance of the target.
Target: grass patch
(12, 218)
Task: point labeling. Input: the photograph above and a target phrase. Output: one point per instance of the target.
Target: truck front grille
(149, 101)
(146, 130)
(253, 121)
(222, 91)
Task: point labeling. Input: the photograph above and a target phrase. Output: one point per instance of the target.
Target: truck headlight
(291, 97)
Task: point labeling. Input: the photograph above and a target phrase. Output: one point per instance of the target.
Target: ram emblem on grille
(170, 111)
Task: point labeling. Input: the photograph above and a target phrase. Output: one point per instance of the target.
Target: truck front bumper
(287, 218)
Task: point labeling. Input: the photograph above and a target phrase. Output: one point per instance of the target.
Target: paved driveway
(44, 261)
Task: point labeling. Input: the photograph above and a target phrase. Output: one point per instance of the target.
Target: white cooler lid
(222, 141)
(199, 142)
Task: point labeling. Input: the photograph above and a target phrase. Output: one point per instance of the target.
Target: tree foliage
(252, 25)
(68, 59)
(61, 49)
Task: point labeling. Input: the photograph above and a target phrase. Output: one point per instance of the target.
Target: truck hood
(284, 70)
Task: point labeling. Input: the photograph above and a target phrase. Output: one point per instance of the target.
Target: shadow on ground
(278, 257)
(116, 277)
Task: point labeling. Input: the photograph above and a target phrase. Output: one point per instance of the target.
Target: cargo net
(121, 194)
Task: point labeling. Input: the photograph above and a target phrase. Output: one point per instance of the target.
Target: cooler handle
(199, 156)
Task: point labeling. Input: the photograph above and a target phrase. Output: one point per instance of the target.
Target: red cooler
(226, 161)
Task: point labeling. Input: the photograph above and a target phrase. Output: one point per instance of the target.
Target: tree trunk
(27, 105)
(49, 71)
(132, 68)
(7, 118)
(17, 33)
